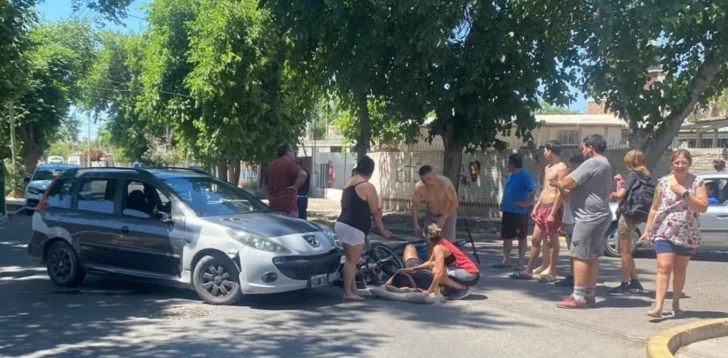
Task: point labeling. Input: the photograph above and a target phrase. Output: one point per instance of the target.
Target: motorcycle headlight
(258, 242)
(329, 234)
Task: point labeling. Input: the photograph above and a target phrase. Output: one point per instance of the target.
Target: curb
(668, 342)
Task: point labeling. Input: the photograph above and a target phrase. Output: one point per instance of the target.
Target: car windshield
(211, 197)
(47, 173)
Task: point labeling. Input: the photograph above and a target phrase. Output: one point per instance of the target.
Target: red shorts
(553, 227)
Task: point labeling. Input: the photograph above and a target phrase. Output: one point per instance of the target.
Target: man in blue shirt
(515, 204)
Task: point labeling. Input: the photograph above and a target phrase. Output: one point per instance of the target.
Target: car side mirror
(26, 180)
(161, 215)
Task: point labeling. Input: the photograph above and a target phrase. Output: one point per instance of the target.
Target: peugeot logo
(311, 239)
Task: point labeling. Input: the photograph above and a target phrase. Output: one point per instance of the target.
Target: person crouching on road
(450, 266)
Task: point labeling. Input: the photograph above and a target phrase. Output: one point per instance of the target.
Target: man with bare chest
(439, 195)
(548, 216)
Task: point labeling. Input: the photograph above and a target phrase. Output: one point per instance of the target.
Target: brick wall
(396, 174)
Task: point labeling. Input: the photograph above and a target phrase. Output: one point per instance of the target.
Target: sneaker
(619, 290)
(459, 294)
(635, 287)
(568, 281)
(571, 303)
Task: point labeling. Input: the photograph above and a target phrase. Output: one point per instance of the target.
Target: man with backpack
(636, 194)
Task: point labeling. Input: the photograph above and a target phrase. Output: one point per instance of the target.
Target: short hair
(401, 279)
(576, 159)
(554, 146)
(424, 170)
(597, 142)
(365, 166)
(682, 153)
(283, 149)
(713, 186)
(515, 160)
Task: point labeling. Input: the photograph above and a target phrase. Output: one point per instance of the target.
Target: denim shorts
(668, 247)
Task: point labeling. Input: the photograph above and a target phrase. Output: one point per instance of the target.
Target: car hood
(265, 224)
(40, 184)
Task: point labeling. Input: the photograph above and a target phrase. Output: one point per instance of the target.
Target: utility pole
(88, 143)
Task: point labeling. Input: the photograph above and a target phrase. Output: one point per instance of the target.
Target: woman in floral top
(673, 226)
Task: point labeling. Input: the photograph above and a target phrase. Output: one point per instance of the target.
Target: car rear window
(97, 195)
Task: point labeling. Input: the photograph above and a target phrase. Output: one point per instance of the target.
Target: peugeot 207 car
(176, 225)
(39, 181)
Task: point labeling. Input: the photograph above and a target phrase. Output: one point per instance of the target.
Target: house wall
(396, 174)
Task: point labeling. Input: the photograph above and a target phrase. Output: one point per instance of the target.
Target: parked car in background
(179, 226)
(713, 223)
(39, 181)
(53, 159)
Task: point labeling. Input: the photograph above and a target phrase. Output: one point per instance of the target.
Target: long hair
(636, 162)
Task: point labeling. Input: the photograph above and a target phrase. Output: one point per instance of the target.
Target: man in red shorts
(548, 216)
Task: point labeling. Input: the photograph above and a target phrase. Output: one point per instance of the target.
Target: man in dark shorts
(515, 206)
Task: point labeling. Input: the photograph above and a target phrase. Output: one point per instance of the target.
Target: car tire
(63, 265)
(215, 279)
(611, 245)
(29, 212)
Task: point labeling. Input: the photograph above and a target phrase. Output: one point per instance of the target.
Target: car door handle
(124, 229)
(722, 216)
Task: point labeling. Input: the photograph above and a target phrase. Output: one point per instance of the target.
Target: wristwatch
(685, 194)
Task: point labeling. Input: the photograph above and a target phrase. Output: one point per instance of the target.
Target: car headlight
(33, 190)
(258, 242)
(329, 234)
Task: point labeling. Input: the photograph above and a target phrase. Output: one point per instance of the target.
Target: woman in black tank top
(359, 205)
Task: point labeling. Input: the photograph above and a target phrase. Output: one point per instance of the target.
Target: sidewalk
(712, 348)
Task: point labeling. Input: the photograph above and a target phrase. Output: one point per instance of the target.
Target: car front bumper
(292, 272)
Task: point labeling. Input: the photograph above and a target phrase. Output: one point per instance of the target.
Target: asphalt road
(115, 318)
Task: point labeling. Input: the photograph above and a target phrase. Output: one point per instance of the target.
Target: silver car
(37, 184)
(176, 225)
(713, 223)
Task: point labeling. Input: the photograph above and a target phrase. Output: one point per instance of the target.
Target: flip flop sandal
(520, 276)
(546, 279)
(501, 266)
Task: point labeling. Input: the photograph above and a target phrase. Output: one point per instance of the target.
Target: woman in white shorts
(359, 205)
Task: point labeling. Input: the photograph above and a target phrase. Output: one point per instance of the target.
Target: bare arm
(300, 179)
(373, 201)
(416, 201)
(567, 183)
(452, 200)
(558, 201)
(526, 203)
(699, 201)
(437, 269)
(620, 194)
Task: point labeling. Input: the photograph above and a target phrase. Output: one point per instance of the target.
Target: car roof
(160, 173)
(713, 175)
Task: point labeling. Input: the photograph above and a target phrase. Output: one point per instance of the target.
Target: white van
(55, 160)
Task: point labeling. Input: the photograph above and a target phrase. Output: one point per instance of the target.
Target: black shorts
(514, 226)
(422, 278)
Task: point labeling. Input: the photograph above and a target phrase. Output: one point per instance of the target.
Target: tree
(687, 40)
(547, 108)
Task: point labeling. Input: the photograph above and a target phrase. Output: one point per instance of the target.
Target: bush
(14, 180)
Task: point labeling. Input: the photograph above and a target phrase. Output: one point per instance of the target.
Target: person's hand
(554, 182)
(418, 230)
(677, 188)
(386, 234)
(292, 188)
(645, 235)
(551, 218)
(618, 178)
(533, 214)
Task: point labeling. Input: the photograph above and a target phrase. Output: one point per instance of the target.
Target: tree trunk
(236, 170)
(32, 150)
(452, 157)
(362, 143)
(222, 171)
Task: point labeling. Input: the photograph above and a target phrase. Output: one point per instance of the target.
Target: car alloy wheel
(215, 279)
(63, 266)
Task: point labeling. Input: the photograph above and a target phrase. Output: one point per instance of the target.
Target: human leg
(449, 232)
(508, 234)
(410, 253)
(535, 252)
(568, 281)
(679, 276)
(353, 253)
(586, 246)
(303, 207)
(665, 260)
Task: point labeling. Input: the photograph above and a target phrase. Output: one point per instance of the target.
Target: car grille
(304, 267)
(31, 203)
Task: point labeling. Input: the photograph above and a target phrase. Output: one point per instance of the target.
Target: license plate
(319, 281)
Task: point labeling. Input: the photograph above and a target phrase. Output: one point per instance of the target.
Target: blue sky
(53, 10)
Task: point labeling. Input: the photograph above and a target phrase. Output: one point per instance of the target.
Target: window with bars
(569, 137)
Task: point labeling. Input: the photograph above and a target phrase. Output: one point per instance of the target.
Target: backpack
(636, 206)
